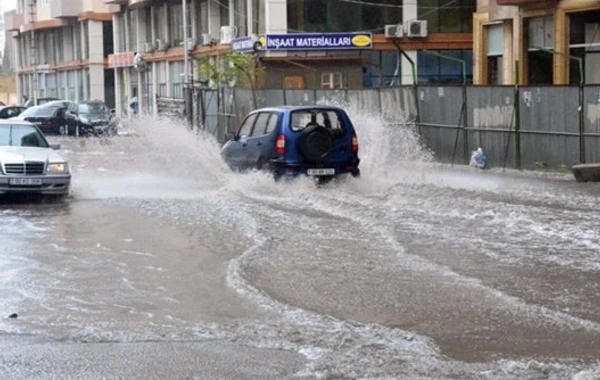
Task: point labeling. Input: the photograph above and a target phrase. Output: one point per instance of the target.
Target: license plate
(25, 181)
(320, 171)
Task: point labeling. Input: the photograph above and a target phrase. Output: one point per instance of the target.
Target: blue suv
(317, 141)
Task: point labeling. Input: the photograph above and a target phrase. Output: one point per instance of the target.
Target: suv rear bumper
(283, 168)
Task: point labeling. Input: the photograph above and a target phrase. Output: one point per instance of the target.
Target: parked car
(91, 117)
(10, 111)
(50, 120)
(318, 141)
(28, 163)
(40, 101)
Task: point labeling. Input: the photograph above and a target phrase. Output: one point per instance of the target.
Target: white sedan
(28, 163)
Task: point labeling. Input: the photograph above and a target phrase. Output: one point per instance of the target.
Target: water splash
(162, 157)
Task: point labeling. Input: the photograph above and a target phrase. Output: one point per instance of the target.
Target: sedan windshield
(96, 109)
(21, 135)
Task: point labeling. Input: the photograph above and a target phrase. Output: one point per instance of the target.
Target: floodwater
(164, 264)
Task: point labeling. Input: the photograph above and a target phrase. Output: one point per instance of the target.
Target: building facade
(61, 48)
(536, 42)
(153, 31)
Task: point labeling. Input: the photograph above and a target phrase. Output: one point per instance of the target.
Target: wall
(525, 127)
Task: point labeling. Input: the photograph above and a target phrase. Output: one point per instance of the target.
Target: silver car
(28, 163)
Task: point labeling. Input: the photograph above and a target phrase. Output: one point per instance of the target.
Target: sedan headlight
(58, 168)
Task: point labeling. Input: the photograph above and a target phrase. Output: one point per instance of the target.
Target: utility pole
(32, 17)
(187, 90)
(186, 57)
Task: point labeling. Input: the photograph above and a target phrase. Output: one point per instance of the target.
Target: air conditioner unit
(190, 45)
(227, 34)
(417, 28)
(206, 39)
(148, 47)
(162, 45)
(394, 31)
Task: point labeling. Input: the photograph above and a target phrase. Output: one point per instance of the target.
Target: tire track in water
(339, 206)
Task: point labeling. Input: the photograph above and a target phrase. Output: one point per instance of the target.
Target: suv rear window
(325, 118)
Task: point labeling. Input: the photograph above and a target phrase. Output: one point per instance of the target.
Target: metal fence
(520, 127)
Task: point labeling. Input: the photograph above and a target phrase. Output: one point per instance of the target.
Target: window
(304, 119)
(258, 16)
(295, 81)
(177, 79)
(434, 69)
(21, 135)
(272, 124)
(332, 80)
(343, 16)
(159, 22)
(261, 124)
(122, 43)
(131, 26)
(176, 24)
(240, 17)
(145, 17)
(447, 16)
(316, 12)
(161, 74)
(246, 127)
(223, 12)
(201, 19)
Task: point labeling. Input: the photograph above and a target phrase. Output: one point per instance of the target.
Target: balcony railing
(13, 21)
(64, 8)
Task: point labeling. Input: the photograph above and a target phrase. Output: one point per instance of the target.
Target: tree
(231, 69)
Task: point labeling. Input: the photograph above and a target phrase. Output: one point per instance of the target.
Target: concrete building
(331, 56)
(537, 42)
(61, 48)
(2, 35)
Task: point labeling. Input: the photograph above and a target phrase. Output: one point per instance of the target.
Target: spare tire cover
(315, 143)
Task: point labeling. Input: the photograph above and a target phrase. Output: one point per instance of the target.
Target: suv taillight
(280, 145)
(354, 143)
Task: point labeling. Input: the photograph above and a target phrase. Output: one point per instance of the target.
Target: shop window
(332, 80)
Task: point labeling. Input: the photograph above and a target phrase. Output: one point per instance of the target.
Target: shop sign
(318, 41)
(123, 59)
(243, 44)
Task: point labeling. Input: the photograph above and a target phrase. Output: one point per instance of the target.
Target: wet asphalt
(163, 264)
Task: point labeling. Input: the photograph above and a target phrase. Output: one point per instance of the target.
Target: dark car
(10, 111)
(317, 141)
(91, 117)
(50, 120)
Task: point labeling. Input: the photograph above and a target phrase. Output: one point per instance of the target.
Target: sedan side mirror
(55, 146)
(230, 136)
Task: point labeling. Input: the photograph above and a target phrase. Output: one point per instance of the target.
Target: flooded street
(164, 264)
